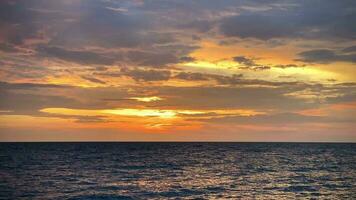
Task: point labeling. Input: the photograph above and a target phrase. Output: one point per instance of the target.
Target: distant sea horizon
(107, 141)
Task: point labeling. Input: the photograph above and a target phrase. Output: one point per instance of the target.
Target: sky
(178, 70)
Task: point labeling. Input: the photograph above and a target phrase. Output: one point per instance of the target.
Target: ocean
(177, 171)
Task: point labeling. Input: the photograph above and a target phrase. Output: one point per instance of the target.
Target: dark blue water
(177, 171)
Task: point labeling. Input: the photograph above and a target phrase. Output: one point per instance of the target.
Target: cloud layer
(197, 68)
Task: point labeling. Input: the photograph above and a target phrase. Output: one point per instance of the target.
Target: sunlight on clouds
(240, 112)
(148, 119)
(212, 51)
(123, 112)
(161, 113)
(147, 99)
(71, 80)
(142, 113)
(67, 111)
(308, 73)
(186, 65)
(143, 120)
(341, 109)
(224, 64)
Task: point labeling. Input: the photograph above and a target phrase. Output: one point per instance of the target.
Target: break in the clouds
(177, 69)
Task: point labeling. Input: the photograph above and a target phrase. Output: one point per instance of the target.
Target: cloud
(191, 76)
(92, 79)
(220, 79)
(76, 24)
(232, 92)
(187, 59)
(244, 60)
(6, 47)
(249, 63)
(350, 49)
(30, 103)
(28, 98)
(325, 56)
(112, 29)
(256, 68)
(229, 80)
(16, 23)
(29, 86)
(228, 97)
(257, 26)
(162, 55)
(25, 97)
(152, 59)
(307, 19)
(89, 119)
(78, 56)
(279, 118)
(288, 66)
(201, 26)
(147, 75)
(146, 41)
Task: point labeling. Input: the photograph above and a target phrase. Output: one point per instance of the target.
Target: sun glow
(142, 113)
(161, 113)
(223, 64)
(147, 99)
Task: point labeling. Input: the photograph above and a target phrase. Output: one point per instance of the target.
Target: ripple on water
(177, 171)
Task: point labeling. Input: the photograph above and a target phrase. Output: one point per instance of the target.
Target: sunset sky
(178, 70)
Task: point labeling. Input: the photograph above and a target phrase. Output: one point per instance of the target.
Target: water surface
(177, 171)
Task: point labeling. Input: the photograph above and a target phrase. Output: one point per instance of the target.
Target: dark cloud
(306, 19)
(152, 59)
(29, 86)
(78, 24)
(288, 66)
(30, 103)
(117, 24)
(100, 68)
(257, 26)
(78, 56)
(16, 67)
(147, 75)
(256, 68)
(244, 60)
(92, 79)
(325, 56)
(23, 20)
(249, 63)
(5, 47)
(191, 76)
(187, 59)
(351, 49)
(90, 119)
(220, 79)
(198, 25)
(16, 23)
(99, 26)
(229, 80)
(29, 98)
